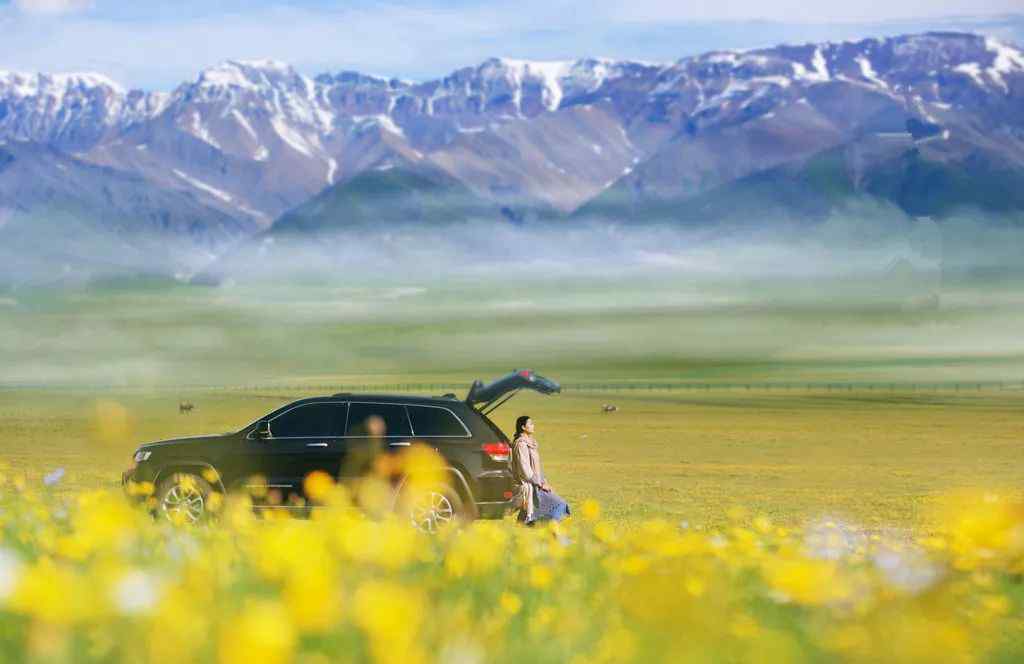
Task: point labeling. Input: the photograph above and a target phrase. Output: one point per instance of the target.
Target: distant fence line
(460, 389)
(807, 386)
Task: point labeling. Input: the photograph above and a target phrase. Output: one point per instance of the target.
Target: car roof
(446, 401)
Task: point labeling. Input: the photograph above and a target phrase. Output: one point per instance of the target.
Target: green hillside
(388, 197)
(810, 191)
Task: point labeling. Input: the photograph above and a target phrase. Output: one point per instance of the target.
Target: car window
(392, 416)
(433, 422)
(310, 420)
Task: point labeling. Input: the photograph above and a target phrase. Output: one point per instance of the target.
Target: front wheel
(184, 499)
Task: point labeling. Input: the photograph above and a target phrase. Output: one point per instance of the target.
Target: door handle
(402, 444)
(316, 444)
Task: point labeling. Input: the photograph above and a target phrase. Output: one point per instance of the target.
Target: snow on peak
(31, 85)
(723, 57)
(556, 76)
(869, 73)
(225, 75)
(972, 69)
(90, 80)
(821, 72)
(1006, 60)
(539, 68)
(245, 74)
(266, 64)
(275, 86)
(550, 73)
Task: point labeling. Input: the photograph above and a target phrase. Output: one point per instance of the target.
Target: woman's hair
(520, 425)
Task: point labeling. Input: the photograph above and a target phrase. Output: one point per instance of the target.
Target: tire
(430, 510)
(184, 499)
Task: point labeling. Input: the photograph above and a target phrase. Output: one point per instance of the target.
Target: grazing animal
(185, 407)
(609, 408)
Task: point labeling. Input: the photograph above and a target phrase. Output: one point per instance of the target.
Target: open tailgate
(506, 386)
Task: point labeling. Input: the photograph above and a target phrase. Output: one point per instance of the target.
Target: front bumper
(134, 486)
(128, 485)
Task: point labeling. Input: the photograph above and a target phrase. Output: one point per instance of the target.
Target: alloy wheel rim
(183, 502)
(432, 511)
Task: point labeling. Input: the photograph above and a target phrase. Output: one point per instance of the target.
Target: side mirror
(262, 430)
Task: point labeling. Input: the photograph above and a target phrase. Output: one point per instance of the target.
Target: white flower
(907, 568)
(53, 477)
(462, 652)
(832, 539)
(136, 592)
(10, 567)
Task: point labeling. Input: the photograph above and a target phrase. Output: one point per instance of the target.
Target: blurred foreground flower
(90, 578)
(53, 477)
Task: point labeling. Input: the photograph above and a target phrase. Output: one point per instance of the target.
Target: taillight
(497, 451)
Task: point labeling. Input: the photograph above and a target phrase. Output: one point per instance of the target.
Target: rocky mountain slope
(62, 218)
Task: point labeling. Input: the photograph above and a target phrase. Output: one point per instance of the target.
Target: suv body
(340, 435)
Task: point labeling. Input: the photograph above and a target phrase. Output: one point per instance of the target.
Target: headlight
(142, 455)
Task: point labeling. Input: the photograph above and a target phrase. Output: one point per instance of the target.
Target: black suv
(340, 436)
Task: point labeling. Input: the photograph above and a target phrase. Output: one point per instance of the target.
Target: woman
(538, 501)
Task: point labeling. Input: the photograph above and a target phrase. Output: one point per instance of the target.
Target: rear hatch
(486, 397)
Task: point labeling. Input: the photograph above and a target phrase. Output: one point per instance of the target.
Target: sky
(156, 45)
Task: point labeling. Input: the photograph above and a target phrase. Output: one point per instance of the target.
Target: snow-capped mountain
(954, 101)
(258, 138)
(69, 111)
(255, 139)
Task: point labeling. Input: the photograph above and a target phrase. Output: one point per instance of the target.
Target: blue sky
(156, 45)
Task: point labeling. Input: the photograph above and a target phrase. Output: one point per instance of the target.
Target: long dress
(536, 504)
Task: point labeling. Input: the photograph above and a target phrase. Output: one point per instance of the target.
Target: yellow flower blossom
(261, 632)
(540, 576)
(391, 616)
(590, 510)
(510, 603)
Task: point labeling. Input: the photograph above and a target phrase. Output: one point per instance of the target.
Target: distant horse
(185, 407)
(609, 408)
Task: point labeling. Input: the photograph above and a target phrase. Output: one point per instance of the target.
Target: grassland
(710, 526)
(448, 329)
(721, 524)
(87, 374)
(875, 459)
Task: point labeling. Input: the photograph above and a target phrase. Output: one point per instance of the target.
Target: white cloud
(53, 7)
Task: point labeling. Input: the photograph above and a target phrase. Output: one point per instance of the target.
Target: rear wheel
(430, 510)
(184, 499)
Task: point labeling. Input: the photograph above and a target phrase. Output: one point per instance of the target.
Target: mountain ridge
(265, 125)
(256, 140)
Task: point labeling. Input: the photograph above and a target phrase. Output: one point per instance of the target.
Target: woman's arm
(538, 471)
